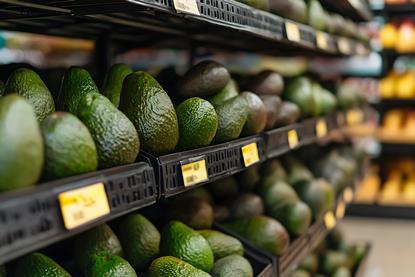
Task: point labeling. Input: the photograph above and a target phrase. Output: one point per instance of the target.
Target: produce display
(398, 125)
(333, 257)
(399, 36)
(400, 85)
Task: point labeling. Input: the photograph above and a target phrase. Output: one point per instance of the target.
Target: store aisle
(393, 244)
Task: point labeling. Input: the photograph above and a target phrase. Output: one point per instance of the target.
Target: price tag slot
(329, 220)
(348, 195)
(250, 154)
(321, 128)
(194, 173)
(186, 6)
(321, 39)
(341, 210)
(292, 139)
(293, 31)
(80, 206)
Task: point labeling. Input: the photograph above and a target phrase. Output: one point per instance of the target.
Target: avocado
(203, 79)
(195, 212)
(150, 109)
(297, 171)
(232, 116)
(221, 213)
(300, 273)
(76, 83)
(246, 205)
(317, 194)
(299, 91)
(198, 123)
(273, 167)
(288, 114)
(248, 179)
(296, 217)
(272, 107)
(231, 90)
(232, 266)
(324, 101)
(102, 264)
(113, 81)
(100, 238)
(201, 193)
(181, 241)
(224, 188)
(140, 240)
(334, 239)
(115, 137)
(25, 82)
(316, 15)
(266, 82)
(292, 9)
(69, 147)
(332, 260)
(222, 245)
(174, 267)
(310, 263)
(21, 144)
(38, 265)
(263, 232)
(342, 272)
(257, 114)
(276, 192)
(258, 4)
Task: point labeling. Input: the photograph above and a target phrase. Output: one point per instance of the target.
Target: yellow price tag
(292, 139)
(321, 128)
(322, 42)
(293, 31)
(348, 195)
(82, 205)
(194, 173)
(354, 116)
(186, 6)
(341, 210)
(329, 220)
(344, 45)
(250, 154)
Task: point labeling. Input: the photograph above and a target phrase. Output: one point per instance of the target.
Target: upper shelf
(400, 9)
(355, 9)
(225, 24)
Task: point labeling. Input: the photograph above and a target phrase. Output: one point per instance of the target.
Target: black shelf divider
(356, 10)
(381, 211)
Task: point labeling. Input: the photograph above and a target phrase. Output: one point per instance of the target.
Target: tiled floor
(393, 244)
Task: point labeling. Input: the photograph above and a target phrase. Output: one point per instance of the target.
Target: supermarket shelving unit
(34, 218)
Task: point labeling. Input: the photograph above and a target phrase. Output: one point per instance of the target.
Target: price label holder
(321, 39)
(186, 6)
(321, 128)
(194, 172)
(250, 154)
(293, 31)
(344, 46)
(329, 220)
(82, 205)
(340, 210)
(292, 138)
(348, 195)
(354, 116)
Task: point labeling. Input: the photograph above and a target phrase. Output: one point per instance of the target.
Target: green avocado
(296, 217)
(272, 107)
(248, 179)
(203, 79)
(246, 205)
(288, 114)
(291, 9)
(76, 83)
(195, 212)
(222, 245)
(273, 167)
(316, 15)
(174, 267)
(198, 123)
(201, 193)
(258, 4)
(150, 109)
(332, 260)
(69, 147)
(310, 263)
(325, 102)
(231, 90)
(38, 265)
(140, 240)
(342, 272)
(257, 114)
(27, 83)
(100, 238)
(300, 273)
(275, 192)
(21, 144)
(233, 266)
(102, 264)
(299, 91)
(232, 116)
(297, 171)
(263, 232)
(181, 241)
(113, 81)
(266, 82)
(115, 137)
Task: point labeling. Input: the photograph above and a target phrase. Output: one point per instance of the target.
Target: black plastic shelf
(399, 9)
(381, 211)
(356, 10)
(384, 104)
(398, 149)
(221, 160)
(31, 219)
(240, 26)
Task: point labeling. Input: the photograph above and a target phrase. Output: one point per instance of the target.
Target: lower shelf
(373, 210)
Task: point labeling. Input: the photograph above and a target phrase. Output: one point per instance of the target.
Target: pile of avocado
(334, 257)
(134, 246)
(311, 12)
